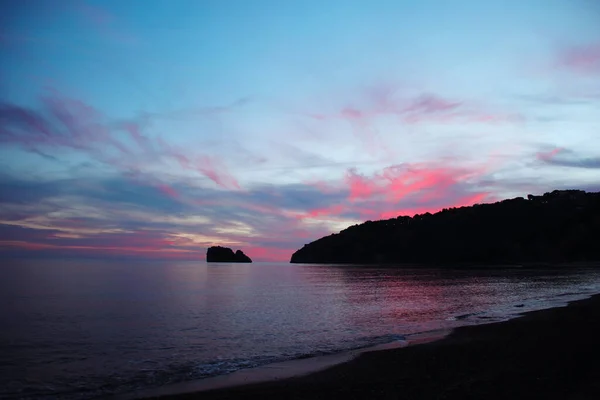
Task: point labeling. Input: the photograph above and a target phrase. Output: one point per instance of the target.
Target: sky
(157, 128)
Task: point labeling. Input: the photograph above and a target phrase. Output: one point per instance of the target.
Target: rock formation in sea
(561, 226)
(225, 254)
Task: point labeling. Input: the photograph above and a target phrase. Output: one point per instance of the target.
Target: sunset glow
(156, 129)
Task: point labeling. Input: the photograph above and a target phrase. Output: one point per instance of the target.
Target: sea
(85, 329)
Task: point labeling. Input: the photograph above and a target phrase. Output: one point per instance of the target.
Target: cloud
(165, 181)
(560, 99)
(376, 117)
(211, 167)
(148, 244)
(398, 181)
(168, 190)
(360, 186)
(456, 201)
(425, 107)
(548, 155)
(142, 216)
(403, 189)
(148, 200)
(63, 124)
(23, 191)
(568, 158)
(580, 59)
(122, 215)
(69, 125)
(431, 104)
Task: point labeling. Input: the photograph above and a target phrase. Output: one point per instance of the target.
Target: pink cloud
(396, 190)
(405, 189)
(323, 212)
(269, 210)
(421, 109)
(549, 155)
(581, 59)
(352, 113)
(467, 200)
(135, 132)
(360, 186)
(85, 126)
(429, 104)
(64, 124)
(169, 191)
(215, 170)
(210, 167)
(397, 181)
(71, 124)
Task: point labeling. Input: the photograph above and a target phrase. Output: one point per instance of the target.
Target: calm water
(83, 329)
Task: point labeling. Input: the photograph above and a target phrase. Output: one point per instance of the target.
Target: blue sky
(158, 128)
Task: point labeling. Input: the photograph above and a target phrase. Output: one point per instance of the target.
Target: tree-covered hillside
(556, 227)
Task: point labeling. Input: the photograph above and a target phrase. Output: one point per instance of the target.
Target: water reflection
(112, 326)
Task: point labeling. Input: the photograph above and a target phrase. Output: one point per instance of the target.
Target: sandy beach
(548, 354)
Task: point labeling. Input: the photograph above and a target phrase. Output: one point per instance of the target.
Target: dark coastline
(549, 354)
(561, 226)
(534, 266)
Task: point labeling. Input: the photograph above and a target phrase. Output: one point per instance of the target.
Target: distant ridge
(561, 226)
(225, 254)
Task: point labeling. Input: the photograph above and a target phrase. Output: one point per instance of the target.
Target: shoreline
(301, 367)
(549, 353)
(277, 371)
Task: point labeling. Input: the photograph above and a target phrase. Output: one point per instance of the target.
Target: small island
(225, 254)
(558, 227)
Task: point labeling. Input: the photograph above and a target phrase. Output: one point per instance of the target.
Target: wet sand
(548, 354)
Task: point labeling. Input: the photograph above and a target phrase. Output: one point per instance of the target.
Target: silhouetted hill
(556, 227)
(225, 254)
